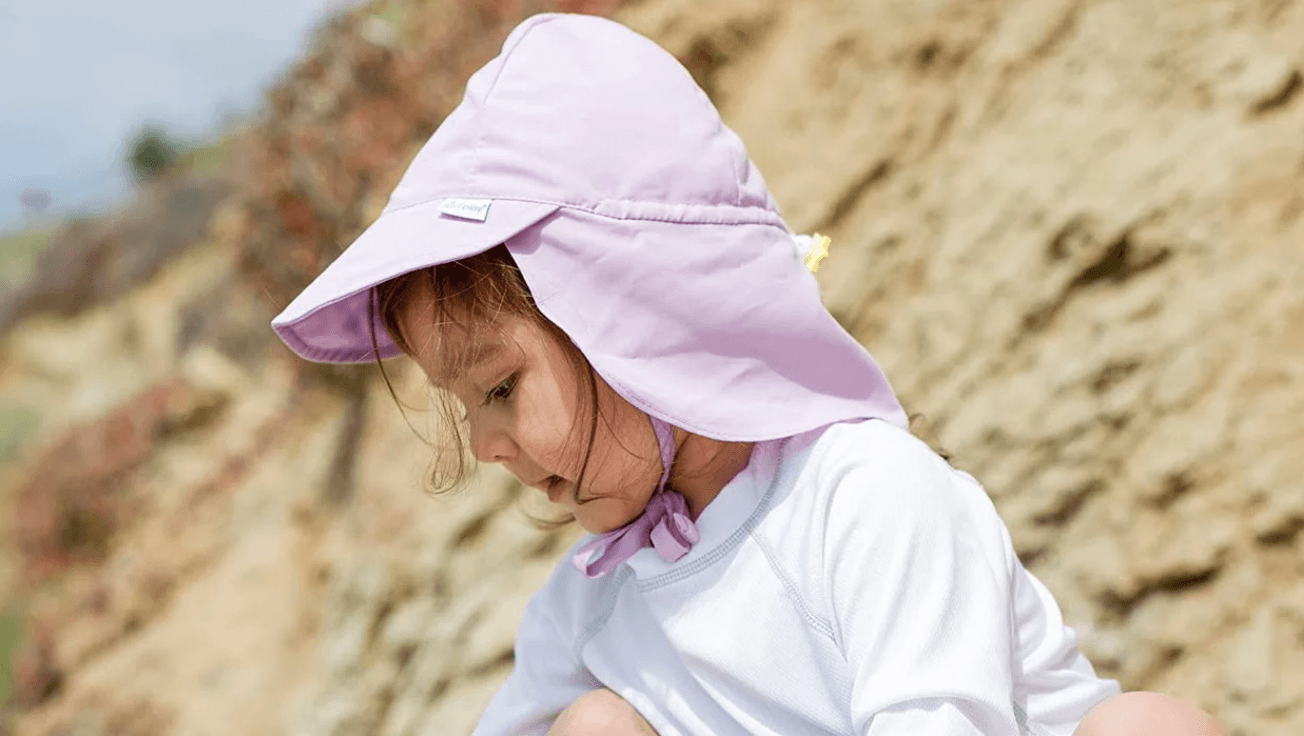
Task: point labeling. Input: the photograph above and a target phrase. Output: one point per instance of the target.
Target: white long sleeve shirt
(848, 581)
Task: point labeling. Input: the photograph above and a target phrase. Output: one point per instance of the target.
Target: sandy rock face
(1074, 235)
(1071, 232)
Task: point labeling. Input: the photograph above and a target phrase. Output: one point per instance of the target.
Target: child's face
(523, 406)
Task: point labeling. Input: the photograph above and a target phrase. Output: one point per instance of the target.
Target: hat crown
(583, 112)
(641, 230)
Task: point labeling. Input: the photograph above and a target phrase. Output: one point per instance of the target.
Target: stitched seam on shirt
(1029, 727)
(729, 544)
(1038, 730)
(834, 632)
(605, 609)
(1020, 718)
(824, 627)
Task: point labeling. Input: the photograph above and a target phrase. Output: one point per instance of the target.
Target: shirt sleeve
(546, 678)
(918, 568)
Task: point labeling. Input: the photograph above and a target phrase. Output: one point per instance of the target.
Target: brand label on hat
(468, 209)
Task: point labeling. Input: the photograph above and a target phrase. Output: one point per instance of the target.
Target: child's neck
(703, 467)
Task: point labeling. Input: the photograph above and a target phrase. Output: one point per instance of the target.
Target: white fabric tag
(468, 209)
(801, 245)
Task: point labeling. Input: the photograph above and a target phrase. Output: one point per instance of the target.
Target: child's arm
(547, 677)
(918, 570)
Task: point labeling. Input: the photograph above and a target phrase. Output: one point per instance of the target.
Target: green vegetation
(152, 153)
(10, 636)
(16, 424)
(392, 13)
(206, 160)
(18, 252)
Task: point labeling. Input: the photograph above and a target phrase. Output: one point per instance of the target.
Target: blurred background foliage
(152, 154)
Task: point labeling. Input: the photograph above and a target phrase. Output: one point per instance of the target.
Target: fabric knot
(674, 533)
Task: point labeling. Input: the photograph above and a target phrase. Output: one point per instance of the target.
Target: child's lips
(554, 488)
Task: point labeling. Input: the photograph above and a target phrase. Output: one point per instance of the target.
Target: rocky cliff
(1072, 231)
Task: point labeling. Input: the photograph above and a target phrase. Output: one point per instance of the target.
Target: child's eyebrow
(472, 357)
(482, 352)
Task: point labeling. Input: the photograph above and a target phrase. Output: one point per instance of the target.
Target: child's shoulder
(874, 472)
(872, 468)
(871, 448)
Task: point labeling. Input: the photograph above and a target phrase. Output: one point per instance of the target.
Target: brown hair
(472, 293)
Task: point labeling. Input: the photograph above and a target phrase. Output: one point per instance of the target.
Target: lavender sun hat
(641, 228)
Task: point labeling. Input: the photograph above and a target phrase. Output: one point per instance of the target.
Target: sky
(79, 77)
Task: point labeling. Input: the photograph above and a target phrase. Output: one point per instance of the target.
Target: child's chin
(600, 525)
(594, 527)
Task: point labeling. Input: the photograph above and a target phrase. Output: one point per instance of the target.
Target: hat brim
(328, 321)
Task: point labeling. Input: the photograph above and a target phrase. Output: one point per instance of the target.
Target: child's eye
(502, 391)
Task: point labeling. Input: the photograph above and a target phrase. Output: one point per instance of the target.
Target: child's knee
(599, 713)
(1149, 714)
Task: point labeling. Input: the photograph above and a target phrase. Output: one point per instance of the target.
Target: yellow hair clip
(819, 250)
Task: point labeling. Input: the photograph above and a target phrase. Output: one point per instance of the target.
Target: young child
(586, 259)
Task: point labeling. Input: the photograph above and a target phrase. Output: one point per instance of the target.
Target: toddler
(584, 258)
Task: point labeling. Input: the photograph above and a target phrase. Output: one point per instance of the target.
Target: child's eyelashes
(501, 392)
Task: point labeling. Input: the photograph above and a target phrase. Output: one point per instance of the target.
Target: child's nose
(491, 446)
